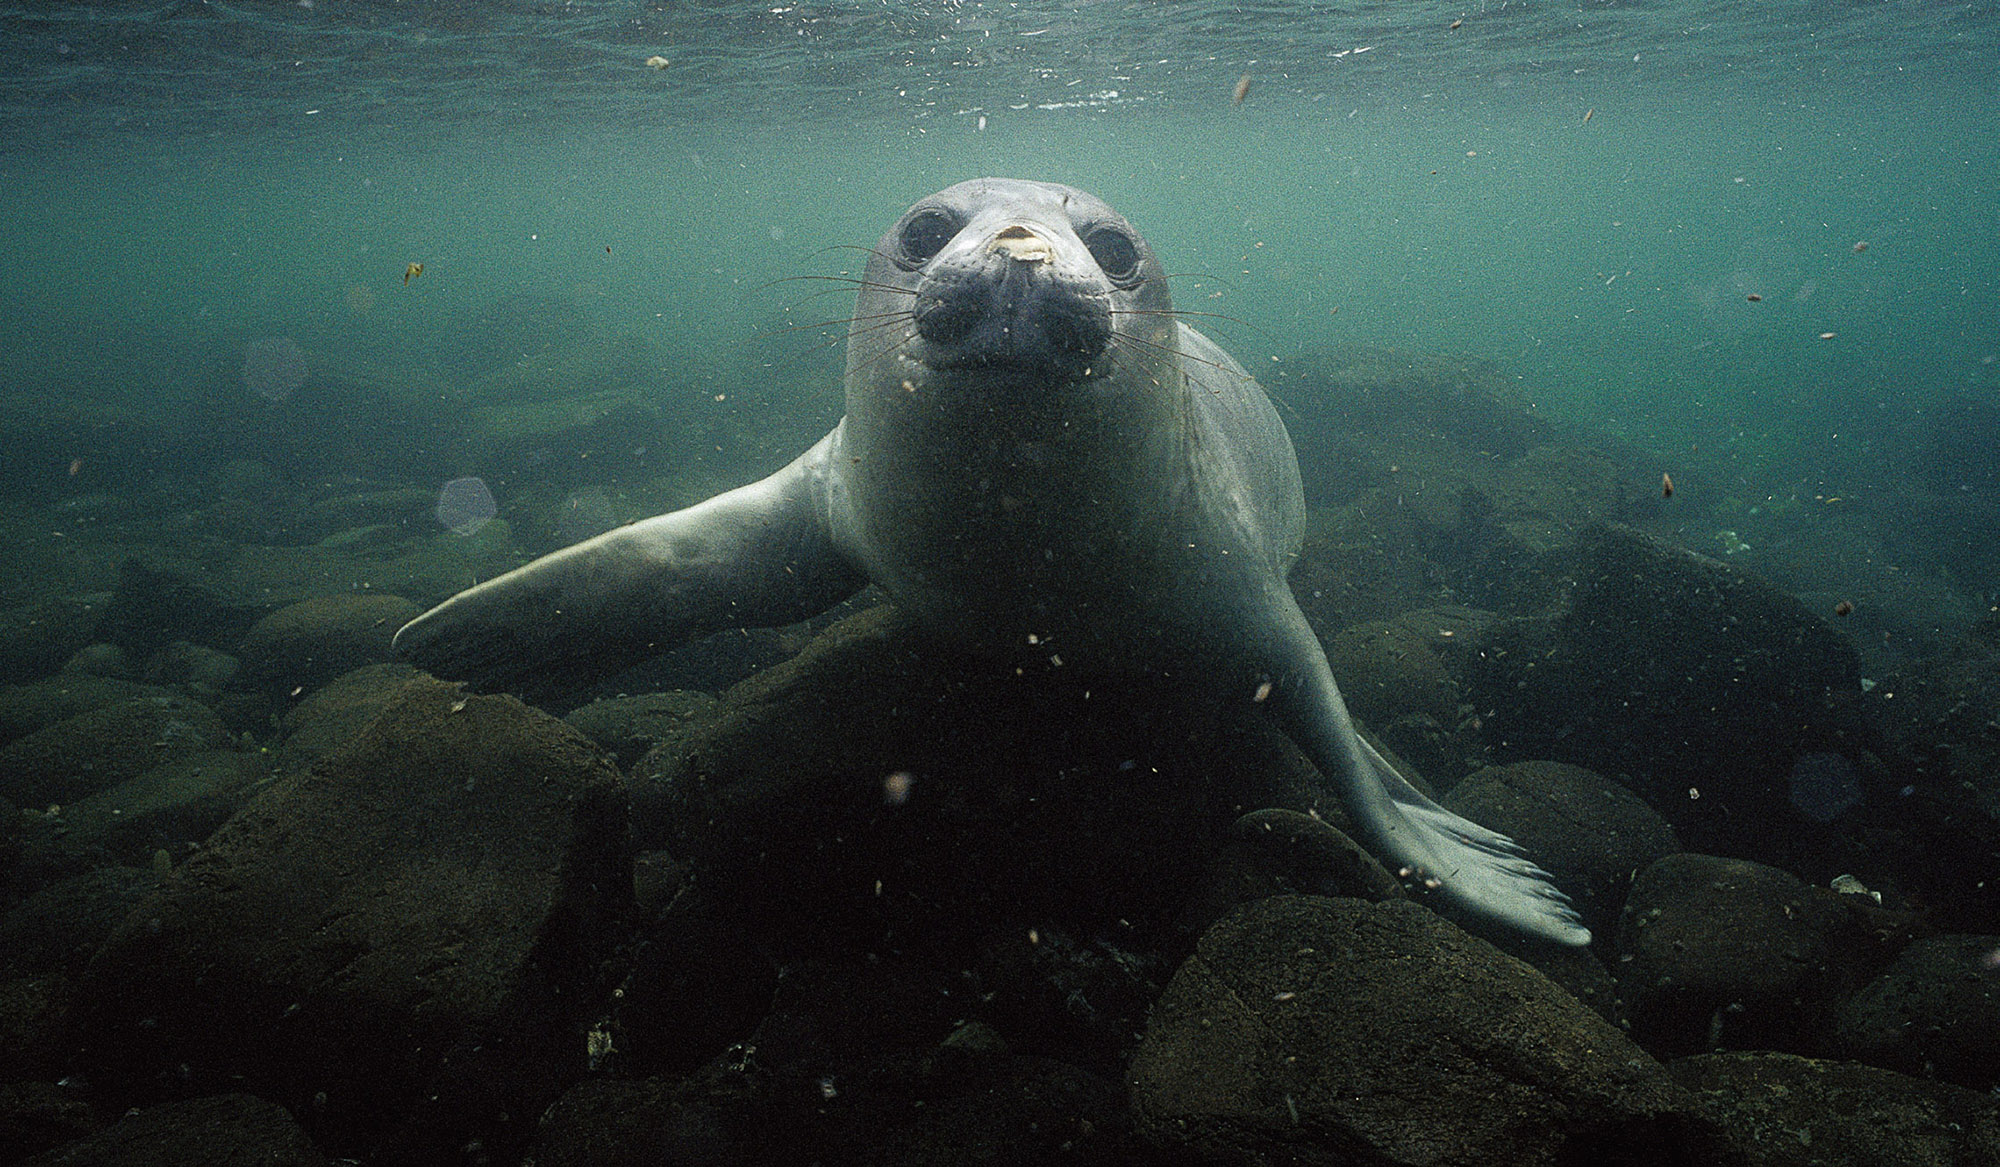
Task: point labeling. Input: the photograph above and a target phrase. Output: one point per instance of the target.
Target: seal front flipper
(757, 556)
(1480, 872)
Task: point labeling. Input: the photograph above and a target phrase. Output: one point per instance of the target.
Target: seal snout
(1012, 303)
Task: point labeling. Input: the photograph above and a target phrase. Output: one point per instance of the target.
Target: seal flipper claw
(760, 555)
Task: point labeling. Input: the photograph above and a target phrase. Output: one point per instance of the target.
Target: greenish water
(1605, 262)
(1585, 196)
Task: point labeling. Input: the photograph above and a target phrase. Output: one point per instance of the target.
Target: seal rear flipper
(1481, 873)
(757, 556)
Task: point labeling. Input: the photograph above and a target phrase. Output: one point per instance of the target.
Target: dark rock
(1725, 953)
(1779, 1110)
(38, 1116)
(193, 666)
(607, 1122)
(1016, 1110)
(366, 505)
(1940, 719)
(848, 1068)
(307, 644)
(154, 606)
(1933, 1013)
(39, 704)
(103, 747)
(168, 808)
(596, 431)
(1023, 802)
(59, 928)
(627, 727)
(32, 1013)
(10, 839)
(699, 983)
(100, 660)
(1283, 852)
(1310, 1030)
(1363, 561)
(1588, 832)
(1373, 390)
(36, 638)
(335, 714)
(1399, 676)
(872, 795)
(398, 945)
(225, 1130)
(1699, 685)
(1941, 713)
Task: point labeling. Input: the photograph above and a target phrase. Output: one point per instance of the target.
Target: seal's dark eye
(925, 233)
(1114, 251)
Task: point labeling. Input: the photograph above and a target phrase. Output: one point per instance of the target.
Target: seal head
(1029, 282)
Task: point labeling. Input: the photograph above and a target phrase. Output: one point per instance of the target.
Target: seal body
(1039, 460)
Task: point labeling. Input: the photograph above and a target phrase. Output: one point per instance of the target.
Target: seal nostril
(1019, 243)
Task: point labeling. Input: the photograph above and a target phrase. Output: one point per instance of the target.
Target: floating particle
(1844, 608)
(1753, 297)
(411, 272)
(896, 787)
(273, 367)
(1666, 485)
(657, 62)
(1589, 112)
(1826, 336)
(1242, 90)
(1263, 691)
(1861, 245)
(1456, 23)
(465, 505)
(75, 464)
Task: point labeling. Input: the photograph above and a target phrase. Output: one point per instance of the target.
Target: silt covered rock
(1313, 1030)
(396, 945)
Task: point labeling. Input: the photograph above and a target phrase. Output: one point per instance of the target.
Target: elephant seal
(1039, 460)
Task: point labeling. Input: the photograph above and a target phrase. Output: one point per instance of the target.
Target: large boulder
(35, 705)
(397, 945)
(103, 747)
(1717, 697)
(1315, 1030)
(1719, 953)
(1932, 1013)
(1780, 1110)
(305, 645)
(1588, 832)
(225, 1130)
